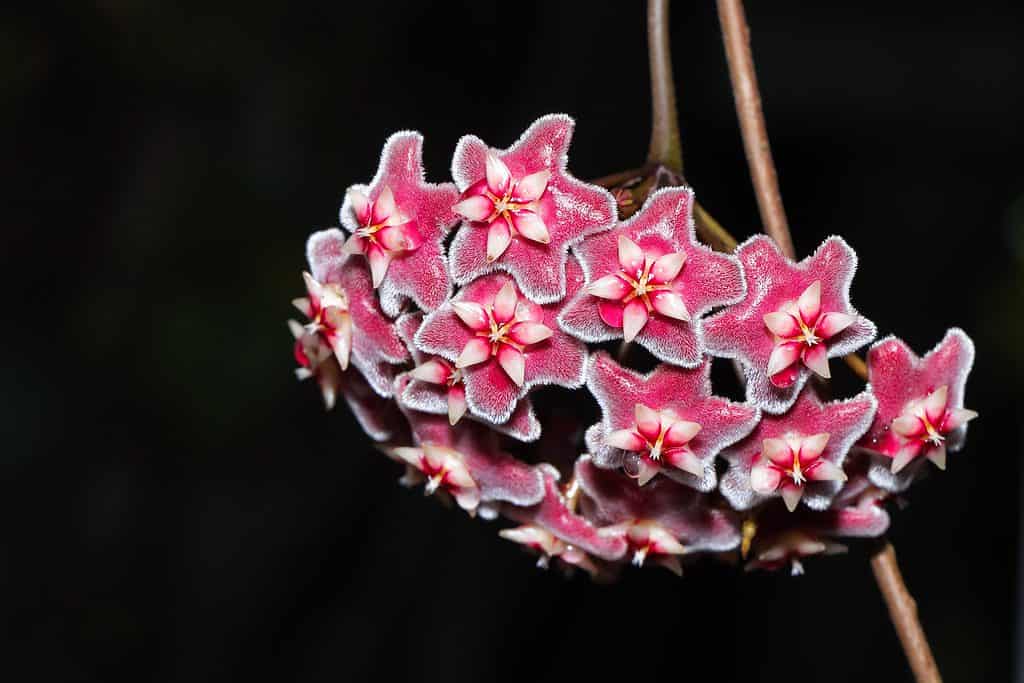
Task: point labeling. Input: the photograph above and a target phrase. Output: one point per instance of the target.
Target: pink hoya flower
(650, 279)
(472, 446)
(438, 388)
(398, 222)
(553, 529)
(920, 405)
(795, 316)
(503, 343)
(798, 455)
(667, 421)
(326, 306)
(778, 540)
(522, 210)
(377, 416)
(659, 522)
(376, 348)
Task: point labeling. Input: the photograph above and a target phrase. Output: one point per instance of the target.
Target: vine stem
(665, 148)
(736, 36)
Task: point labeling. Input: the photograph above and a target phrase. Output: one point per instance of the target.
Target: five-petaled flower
(443, 469)
(367, 337)
(504, 344)
(791, 312)
(667, 421)
(797, 455)
(399, 222)
(523, 209)
(920, 405)
(649, 279)
(326, 306)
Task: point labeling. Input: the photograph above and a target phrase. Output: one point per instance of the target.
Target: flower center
(498, 333)
(503, 206)
(454, 377)
(641, 285)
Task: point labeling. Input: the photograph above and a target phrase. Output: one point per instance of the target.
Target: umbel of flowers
(473, 327)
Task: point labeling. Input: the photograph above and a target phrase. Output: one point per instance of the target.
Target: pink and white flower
(649, 279)
(522, 210)
(326, 307)
(377, 416)
(667, 421)
(504, 344)
(399, 222)
(798, 455)
(498, 476)
(372, 342)
(438, 388)
(794, 317)
(553, 529)
(920, 405)
(659, 522)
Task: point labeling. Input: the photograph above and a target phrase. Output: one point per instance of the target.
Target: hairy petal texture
(843, 421)
(377, 349)
(611, 498)
(491, 392)
(437, 398)
(899, 379)
(554, 516)
(686, 393)
(685, 280)
(499, 476)
(773, 283)
(569, 209)
(419, 273)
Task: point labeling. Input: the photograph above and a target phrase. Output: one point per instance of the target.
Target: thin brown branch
(665, 148)
(736, 36)
(903, 612)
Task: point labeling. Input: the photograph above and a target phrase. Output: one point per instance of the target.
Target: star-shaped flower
(378, 416)
(797, 455)
(795, 316)
(376, 348)
(399, 222)
(779, 539)
(650, 279)
(504, 344)
(496, 475)
(438, 388)
(553, 529)
(522, 209)
(659, 522)
(920, 406)
(667, 421)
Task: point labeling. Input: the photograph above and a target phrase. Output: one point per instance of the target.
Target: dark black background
(175, 507)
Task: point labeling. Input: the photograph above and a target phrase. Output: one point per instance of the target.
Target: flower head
(369, 337)
(794, 317)
(398, 222)
(649, 279)
(667, 421)
(920, 405)
(503, 343)
(797, 455)
(522, 210)
(437, 387)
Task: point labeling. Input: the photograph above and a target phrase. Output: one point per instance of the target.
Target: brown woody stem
(665, 148)
(903, 613)
(736, 36)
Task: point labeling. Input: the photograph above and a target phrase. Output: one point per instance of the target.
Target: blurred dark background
(177, 508)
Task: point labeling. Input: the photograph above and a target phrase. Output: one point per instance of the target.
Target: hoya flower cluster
(471, 327)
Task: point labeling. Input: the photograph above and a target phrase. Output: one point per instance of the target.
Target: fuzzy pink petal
(670, 304)
(474, 208)
(631, 256)
(832, 323)
(809, 303)
(505, 303)
(474, 315)
(816, 358)
(360, 206)
(475, 351)
(778, 451)
(383, 206)
(826, 471)
(513, 363)
(433, 371)
(456, 404)
(610, 287)
(667, 267)
(527, 333)
(782, 324)
(935, 404)
(531, 226)
(379, 260)
(625, 439)
(764, 479)
(634, 317)
(531, 187)
(498, 175)
(499, 236)
(611, 312)
(681, 432)
(783, 356)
